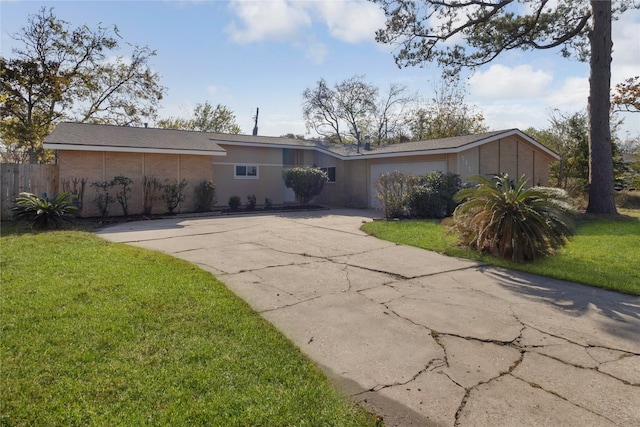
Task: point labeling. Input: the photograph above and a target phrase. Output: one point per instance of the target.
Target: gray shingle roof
(82, 135)
(95, 137)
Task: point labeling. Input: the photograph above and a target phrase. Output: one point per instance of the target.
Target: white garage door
(420, 168)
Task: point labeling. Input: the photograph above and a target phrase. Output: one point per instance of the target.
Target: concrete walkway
(419, 338)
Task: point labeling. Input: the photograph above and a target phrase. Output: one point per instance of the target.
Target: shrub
(251, 202)
(392, 191)
(173, 193)
(205, 196)
(76, 187)
(234, 203)
(306, 182)
(103, 199)
(433, 198)
(124, 192)
(506, 219)
(268, 203)
(43, 212)
(626, 199)
(150, 186)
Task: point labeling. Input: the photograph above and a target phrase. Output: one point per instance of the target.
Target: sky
(248, 54)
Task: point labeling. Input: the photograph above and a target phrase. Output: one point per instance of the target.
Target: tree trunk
(601, 194)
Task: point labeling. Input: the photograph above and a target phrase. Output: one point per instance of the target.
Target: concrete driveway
(419, 338)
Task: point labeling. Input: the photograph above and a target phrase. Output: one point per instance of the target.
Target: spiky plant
(509, 220)
(44, 212)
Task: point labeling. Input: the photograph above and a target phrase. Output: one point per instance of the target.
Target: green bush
(627, 199)
(306, 182)
(433, 197)
(251, 202)
(103, 198)
(150, 185)
(43, 212)
(173, 193)
(234, 203)
(392, 191)
(205, 196)
(506, 219)
(124, 192)
(268, 203)
(76, 187)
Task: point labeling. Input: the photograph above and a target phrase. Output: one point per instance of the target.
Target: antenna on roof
(255, 127)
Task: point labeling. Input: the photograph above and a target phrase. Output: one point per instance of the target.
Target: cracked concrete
(416, 337)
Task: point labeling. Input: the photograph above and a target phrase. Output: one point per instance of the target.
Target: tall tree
(472, 33)
(353, 109)
(344, 112)
(356, 105)
(63, 73)
(389, 112)
(320, 111)
(446, 115)
(205, 118)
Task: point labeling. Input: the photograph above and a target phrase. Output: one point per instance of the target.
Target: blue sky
(249, 54)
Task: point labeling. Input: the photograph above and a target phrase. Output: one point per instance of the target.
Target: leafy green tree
(568, 136)
(472, 33)
(205, 118)
(509, 220)
(63, 73)
(306, 182)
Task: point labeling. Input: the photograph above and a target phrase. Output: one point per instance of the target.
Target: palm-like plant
(44, 212)
(508, 220)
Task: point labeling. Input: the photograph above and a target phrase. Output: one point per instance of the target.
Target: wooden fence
(16, 178)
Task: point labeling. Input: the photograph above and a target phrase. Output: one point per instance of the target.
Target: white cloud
(626, 49)
(316, 52)
(572, 96)
(279, 20)
(219, 93)
(351, 21)
(500, 81)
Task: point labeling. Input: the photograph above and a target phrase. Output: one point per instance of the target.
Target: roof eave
(117, 149)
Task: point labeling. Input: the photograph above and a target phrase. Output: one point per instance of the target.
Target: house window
(246, 171)
(331, 173)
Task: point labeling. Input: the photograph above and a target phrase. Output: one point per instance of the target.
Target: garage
(415, 168)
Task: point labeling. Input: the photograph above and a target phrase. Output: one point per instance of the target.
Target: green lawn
(603, 253)
(95, 333)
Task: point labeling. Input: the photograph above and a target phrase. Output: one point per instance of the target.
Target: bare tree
(390, 111)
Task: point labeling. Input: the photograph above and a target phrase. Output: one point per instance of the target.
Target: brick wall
(98, 166)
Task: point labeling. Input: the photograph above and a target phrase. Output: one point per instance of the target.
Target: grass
(95, 333)
(603, 253)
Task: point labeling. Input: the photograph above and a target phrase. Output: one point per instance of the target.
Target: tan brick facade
(513, 153)
(99, 166)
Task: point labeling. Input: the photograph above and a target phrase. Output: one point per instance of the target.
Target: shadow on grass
(576, 300)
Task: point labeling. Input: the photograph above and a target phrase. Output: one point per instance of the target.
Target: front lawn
(95, 333)
(603, 253)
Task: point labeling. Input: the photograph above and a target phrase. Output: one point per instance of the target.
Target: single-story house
(243, 165)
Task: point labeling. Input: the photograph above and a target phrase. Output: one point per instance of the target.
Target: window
(246, 171)
(331, 173)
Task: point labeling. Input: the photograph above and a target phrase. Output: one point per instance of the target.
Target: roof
(92, 137)
(454, 144)
(78, 136)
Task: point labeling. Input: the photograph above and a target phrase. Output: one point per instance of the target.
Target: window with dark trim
(331, 173)
(246, 171)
